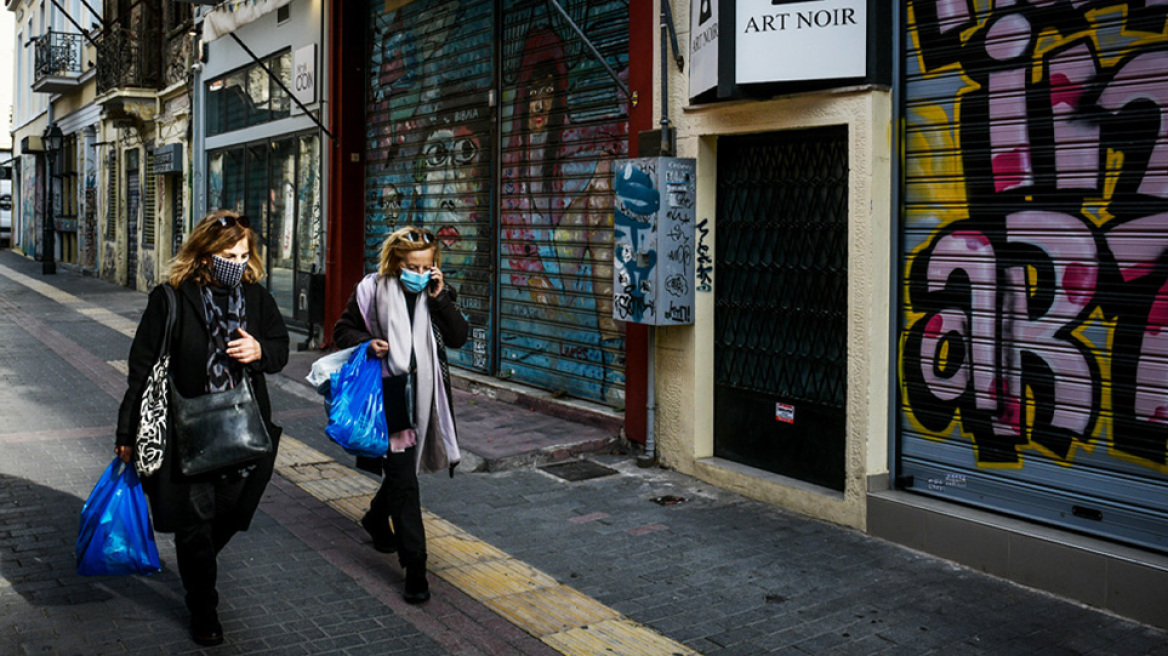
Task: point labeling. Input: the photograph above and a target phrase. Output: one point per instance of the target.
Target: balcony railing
(128, 57)
(57, 62)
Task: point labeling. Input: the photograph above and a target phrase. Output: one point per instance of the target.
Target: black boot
(417, 587)
(382, 534)
(205, 628)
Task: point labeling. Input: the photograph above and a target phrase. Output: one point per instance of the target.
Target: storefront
(466, 98)
(262, 150)
(1033, 272)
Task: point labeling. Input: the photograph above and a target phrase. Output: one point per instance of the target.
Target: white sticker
(785, 413)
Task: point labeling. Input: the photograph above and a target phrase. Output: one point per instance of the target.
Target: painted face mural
(1035, 316)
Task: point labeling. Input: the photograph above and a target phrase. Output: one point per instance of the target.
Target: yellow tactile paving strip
(564, 619)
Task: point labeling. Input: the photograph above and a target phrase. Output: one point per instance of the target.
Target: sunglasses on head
(228, 221)
(420, 236)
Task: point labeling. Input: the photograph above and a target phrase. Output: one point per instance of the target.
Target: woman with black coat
(227, 326)
(409, 315)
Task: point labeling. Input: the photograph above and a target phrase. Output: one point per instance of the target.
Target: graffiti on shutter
(1035, 283)
(428, 150)
(563, 123)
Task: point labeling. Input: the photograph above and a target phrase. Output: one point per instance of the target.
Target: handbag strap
(171, 318)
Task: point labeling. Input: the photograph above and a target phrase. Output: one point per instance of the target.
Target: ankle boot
(417, 587)
(382, 534)
(205, 628)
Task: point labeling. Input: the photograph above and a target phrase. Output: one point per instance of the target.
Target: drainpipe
(649, 458)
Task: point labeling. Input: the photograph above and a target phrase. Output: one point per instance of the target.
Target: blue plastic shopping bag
(357, 408)
(115, 535)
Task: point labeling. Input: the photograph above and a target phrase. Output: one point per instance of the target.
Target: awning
(231, 15)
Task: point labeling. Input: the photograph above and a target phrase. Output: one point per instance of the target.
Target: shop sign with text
(789, 41)
(703, 46)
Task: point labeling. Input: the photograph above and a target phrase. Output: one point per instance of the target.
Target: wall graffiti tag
(1036, 229)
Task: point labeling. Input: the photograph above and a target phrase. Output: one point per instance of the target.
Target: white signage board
(800, 41)
(703, 46)
(304, 74)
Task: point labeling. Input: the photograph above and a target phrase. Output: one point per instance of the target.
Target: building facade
(261, 142)
(144, 63)
(928, 279)
(53, 130)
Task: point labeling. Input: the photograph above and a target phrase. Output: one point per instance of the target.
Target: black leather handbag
(219, 431)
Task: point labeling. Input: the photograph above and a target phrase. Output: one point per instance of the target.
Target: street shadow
(38, 534)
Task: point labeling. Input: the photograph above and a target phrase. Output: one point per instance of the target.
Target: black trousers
(198, 544)
(398, 499)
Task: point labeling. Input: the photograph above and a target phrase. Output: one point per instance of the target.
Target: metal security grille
(1034, 273)
(149, 219)
(176, 213)
(563, 124)
(429, 150)
(780, 327)
(133, 207)
(111, 195)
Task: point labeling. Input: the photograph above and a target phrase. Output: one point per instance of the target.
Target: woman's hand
(379, 348)
(126, 453)
(437, 282)
(245, 349)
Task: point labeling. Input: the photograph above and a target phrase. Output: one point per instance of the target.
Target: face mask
(414, 282)
(226, 272)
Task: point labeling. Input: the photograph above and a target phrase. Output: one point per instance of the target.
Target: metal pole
(48, 249)
(588, 44)
(281, 83)
(666, 130)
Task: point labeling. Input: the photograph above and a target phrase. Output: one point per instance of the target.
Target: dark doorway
(781, 279)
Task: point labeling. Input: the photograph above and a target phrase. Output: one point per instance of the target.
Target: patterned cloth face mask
(226, 272)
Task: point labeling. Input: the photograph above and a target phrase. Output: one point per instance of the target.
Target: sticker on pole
(785, 413)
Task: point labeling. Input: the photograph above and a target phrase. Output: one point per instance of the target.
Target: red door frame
(642, 24)
(345, 255)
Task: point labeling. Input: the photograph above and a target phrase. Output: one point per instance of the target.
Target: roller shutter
(563, 123)
(428, 152)
(462, 101)
(1034, 284)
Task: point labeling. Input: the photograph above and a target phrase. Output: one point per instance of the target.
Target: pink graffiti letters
(1035, 311)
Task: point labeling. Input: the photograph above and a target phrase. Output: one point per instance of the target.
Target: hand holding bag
(150, 441)
(115, 536)
(357, 411)
(219, 431)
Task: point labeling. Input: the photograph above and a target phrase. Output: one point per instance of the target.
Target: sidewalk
(632, 561)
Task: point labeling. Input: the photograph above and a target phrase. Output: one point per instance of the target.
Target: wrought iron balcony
(128, 57)
(58, 62)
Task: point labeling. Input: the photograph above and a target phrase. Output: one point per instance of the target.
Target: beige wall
(685, 356)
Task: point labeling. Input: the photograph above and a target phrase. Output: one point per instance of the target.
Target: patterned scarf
(223, 372)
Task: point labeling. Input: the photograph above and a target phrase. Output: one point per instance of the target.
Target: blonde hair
(402, 241)
(216, 232)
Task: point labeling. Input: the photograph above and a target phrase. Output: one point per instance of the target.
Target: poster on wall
(703, 46)
(792, 41)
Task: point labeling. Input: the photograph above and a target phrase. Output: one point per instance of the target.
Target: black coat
(450, 327)
(169, 493)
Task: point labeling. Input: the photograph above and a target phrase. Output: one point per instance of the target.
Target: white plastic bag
(326, 366)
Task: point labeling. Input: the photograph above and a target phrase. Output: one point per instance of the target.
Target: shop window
(249, 96)
(277, 184)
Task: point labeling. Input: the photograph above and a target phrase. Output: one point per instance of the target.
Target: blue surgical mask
(414, 282)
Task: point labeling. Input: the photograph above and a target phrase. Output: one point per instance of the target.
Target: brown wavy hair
(402, 241)
(209, 237)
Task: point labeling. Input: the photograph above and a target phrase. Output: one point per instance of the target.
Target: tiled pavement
(717, 573)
